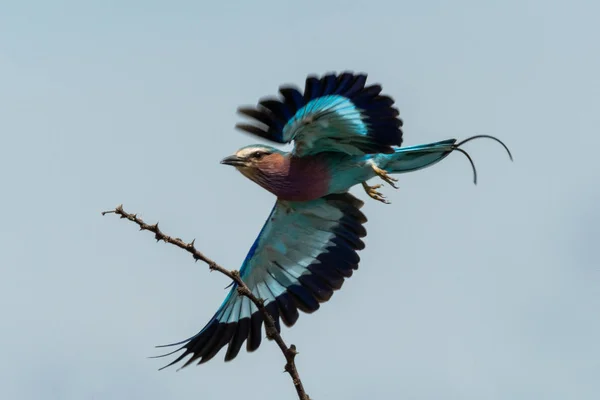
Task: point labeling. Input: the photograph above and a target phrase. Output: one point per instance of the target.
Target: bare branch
(272, 333)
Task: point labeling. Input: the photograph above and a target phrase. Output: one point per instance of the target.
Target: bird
(344, 132)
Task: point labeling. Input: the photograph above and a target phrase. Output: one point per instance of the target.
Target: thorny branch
(272, 333)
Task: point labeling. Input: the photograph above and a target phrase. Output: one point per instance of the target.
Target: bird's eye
(258, 154)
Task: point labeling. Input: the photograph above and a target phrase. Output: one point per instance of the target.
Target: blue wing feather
(344, 80)
(293, 98)
(301, 256)
(335, 113)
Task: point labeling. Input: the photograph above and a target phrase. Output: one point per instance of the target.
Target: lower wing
(303, 253)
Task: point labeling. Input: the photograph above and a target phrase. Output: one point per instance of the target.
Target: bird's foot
(384, 175)
(373, 193)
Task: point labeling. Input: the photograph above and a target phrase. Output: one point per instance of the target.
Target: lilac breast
(298, 179)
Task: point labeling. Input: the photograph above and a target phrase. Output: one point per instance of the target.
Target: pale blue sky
(464, 292)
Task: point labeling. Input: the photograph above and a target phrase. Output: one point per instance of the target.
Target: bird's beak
(233, 161)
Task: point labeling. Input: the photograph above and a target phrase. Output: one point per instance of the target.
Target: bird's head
(256, 160)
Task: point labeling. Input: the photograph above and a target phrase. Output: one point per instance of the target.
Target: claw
(384, 175)
(373, 193)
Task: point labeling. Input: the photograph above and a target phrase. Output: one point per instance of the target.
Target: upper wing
(303, 253)
(335, 113)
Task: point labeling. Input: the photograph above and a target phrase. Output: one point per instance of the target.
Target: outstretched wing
(303, 253)
(336, 113)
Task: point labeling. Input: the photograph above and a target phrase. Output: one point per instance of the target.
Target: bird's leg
(373, 193)
(384, 175)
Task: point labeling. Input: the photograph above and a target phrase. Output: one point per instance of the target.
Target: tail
(408, 159)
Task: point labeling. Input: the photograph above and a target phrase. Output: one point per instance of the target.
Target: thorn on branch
(292, 350)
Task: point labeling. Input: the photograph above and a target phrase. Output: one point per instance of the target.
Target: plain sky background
(463, 292)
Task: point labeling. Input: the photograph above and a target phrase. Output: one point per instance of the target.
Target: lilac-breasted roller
(344, 132)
